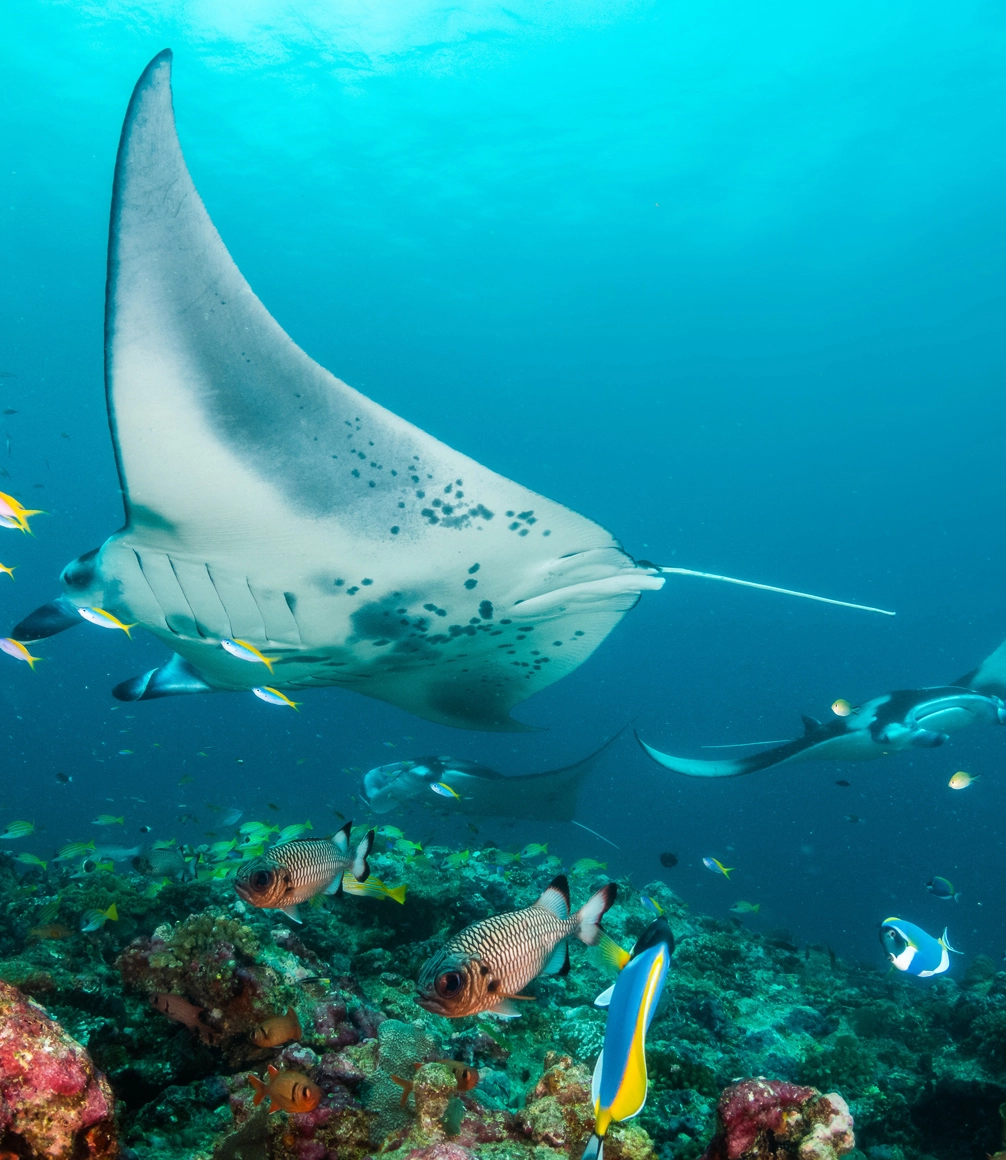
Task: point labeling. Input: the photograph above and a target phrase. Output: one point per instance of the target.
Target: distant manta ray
(269, 504)
(892, 723)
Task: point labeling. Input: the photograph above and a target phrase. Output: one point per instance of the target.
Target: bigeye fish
(465, 1076)
(105, 619)
(717, 867)
(277, 1030)
(14, 648)
(618, 1087)
(911, 950)
(245, 652)
(290, 1091)
(293, 872)
(943, 888)
(487, 965)
(273, 696)
(372, 888)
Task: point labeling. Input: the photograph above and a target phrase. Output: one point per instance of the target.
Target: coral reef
(921, 1067)
(53, 1103)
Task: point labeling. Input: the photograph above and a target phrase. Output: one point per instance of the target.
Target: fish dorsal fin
(341, 840)
(810, 724)
(556, 897)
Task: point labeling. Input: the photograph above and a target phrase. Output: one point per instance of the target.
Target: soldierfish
(182, 1011)
(618, 1088)
(465, 1076)
(290, 1091)
(276, 1030)
(295, 871)
(487, 965)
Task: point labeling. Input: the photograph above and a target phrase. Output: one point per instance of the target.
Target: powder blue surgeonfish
(911, 950)
(618, 1089)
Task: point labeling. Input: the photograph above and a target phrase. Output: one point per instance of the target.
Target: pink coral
(52, 1099)
(763, 1119)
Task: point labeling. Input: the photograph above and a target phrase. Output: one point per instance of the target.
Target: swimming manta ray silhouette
(268, 504)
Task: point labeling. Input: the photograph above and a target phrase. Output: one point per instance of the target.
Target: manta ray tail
(177, 676)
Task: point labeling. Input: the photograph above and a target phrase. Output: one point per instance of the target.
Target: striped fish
(487, 965)
(292, 872)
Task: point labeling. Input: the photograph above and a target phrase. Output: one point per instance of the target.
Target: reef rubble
(158, 1013)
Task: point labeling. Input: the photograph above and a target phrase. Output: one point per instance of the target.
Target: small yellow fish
(9, 571)
(13, 515)
(841, 708)
(105, 619)
(108, 820)
(30, 860)
(92, 920)
(745, 908)
(962, 780)
(587, 866)
(717, 867)
(245, 652)
(442, 788)
(273, 696)
(14, 648)
(534, 850)
(18, 830)
(459, 858)
(372, 888)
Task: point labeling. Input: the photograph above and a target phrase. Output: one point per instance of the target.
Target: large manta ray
(270, 504)
(891, 723)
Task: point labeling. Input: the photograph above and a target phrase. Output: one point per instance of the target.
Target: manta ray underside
(268, 502)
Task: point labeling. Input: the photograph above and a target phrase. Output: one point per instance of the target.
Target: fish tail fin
(406, 1085)
(608, 955)
(260, 1089)
(588, 917)
(594, 1149)
(112, 913)
(756, 907)
(361, 867)
(398, 893)
(727, 871)
(127, 627)
(946, 942)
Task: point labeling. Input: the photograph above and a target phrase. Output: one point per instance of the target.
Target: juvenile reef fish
(277, 1030)
(745, 908)
(49, 930)
(487, 965)
(841, 707)
(245, 652)
(911, 950)
(717, 867)
(293, 872)
(372, 888)
(652, 905)
(960, 780)
(618, 1087)
(273, 696)
(108, 820)
(95, 919)
(465, 1076)
(290, 1091)
(943, 888)
(105, 619)
(442, 788)
(14, 648)
(17, 830)
(180, 1010)
(27, 859)
(587, 866)
(668, 860)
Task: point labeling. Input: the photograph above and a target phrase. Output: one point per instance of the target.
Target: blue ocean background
(727, 278)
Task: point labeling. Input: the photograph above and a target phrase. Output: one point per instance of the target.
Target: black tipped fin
(170, 680)
(810, 724)
(56, 616)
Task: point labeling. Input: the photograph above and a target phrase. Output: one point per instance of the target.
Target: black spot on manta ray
(473, 569)
(486, 610)
(469, 584)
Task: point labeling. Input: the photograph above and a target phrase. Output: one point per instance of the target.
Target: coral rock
(53, 1101)
(763, 1119)
(441, 1152)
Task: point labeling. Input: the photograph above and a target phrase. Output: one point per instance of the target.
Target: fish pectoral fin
(504, 1009)
(175, 677)
(334, 886)
(558, 961)
(291, 912)
(604, 999)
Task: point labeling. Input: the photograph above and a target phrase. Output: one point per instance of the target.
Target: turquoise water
(727, 281)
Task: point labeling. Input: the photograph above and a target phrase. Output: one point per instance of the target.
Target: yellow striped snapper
(17, 830)
(372, 888)
(293, 872)
(14, 648)
(95, 919)
(487, 965)
(104, 619)
(245, 652)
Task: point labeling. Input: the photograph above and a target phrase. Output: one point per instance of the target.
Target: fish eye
(261, 879)
(448, 984)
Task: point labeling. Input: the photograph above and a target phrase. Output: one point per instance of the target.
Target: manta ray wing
(267, 501)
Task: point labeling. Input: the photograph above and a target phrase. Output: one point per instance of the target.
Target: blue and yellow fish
(618, 1089)
(911, 950)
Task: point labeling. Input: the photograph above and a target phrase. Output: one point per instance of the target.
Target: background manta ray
(268, 503)
(891, 723)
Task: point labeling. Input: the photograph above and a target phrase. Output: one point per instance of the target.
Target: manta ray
(477, 789)
(283, 531)
(891, 723)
